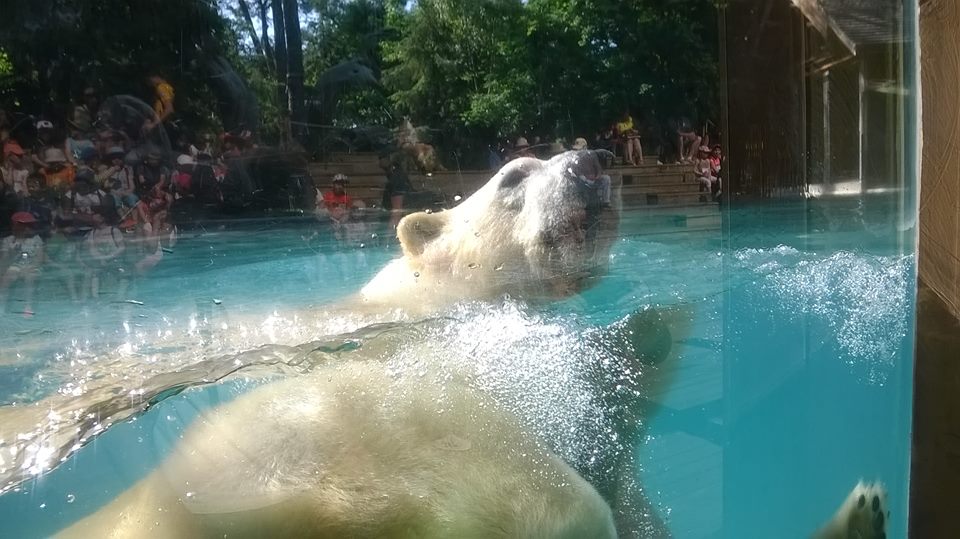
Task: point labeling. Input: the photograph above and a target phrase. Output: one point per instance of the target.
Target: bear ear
(416, 230)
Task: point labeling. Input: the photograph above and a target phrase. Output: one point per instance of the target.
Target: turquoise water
(790, 378)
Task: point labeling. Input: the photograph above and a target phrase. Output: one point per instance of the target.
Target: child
(13, 172)
(153, 208)
(102, 252)
(21, 257)
(703, 168)
(35, 203)
(58, 174)
(183, 175)
(151, 173)
(716, 164)
(119, 177)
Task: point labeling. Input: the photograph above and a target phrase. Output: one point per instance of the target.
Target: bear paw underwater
(863, 515)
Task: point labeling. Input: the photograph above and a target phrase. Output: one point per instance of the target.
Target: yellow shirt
(164, 95)
(625, 126)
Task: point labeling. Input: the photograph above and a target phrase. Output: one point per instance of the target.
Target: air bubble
(71, 498)
(473, 265)
(416, 274)
(499, 267)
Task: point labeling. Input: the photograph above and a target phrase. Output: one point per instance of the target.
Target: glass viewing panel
(446, 268)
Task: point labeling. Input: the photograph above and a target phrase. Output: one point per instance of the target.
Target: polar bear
(356, 451)
(363, 446)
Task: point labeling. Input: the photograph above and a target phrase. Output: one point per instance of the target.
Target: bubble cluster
(864, 301)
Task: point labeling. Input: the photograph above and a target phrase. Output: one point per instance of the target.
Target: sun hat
(54, 155)
(340, 178)
(12, 147)
(521, 143)
(44, 124)
(556, 148)
(184, 159)
(23, 217)
(579, 143)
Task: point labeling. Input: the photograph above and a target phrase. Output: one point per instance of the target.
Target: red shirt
(714, 165)
(332, 200)
(182, 181)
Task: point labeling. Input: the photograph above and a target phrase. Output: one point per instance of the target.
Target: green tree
(462, 62)
(57, 47)
(553, 67)
(656, 57)
(348, 31)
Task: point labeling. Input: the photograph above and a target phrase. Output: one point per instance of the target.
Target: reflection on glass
(457, 269)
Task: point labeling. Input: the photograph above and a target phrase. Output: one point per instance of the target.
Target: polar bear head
(537, 229)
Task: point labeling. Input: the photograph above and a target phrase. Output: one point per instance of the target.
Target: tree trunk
(280, 54)
(264, 38)
(295, 104)
(245, 11)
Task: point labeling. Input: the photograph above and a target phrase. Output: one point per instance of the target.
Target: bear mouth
(582, 225)
(577, 251)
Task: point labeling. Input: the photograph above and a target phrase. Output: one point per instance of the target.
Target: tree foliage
(461, 61)
(472, 69)
(558, 67)
(351, 31)
(56, 47)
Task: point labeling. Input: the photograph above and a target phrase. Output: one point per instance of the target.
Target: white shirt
(15, 178)
(22, 249)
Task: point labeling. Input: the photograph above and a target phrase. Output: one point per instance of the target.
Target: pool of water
(790, 377)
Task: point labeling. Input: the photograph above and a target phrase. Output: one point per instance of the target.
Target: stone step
(469, 185)
(675, 219)
(355, 157)
(651, 166)
(628, 191)
(666, 199)
(643, 173)
(350, 169)
(645, 187)
(373, 196)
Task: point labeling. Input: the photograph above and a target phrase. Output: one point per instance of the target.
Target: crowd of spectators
(678, 144)
(89, 195)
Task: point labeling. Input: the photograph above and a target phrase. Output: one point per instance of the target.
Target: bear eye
(513, 177)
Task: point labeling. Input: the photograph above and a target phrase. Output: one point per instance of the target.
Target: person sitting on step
(629, 137)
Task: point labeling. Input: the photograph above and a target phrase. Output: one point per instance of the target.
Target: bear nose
(583, 164)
